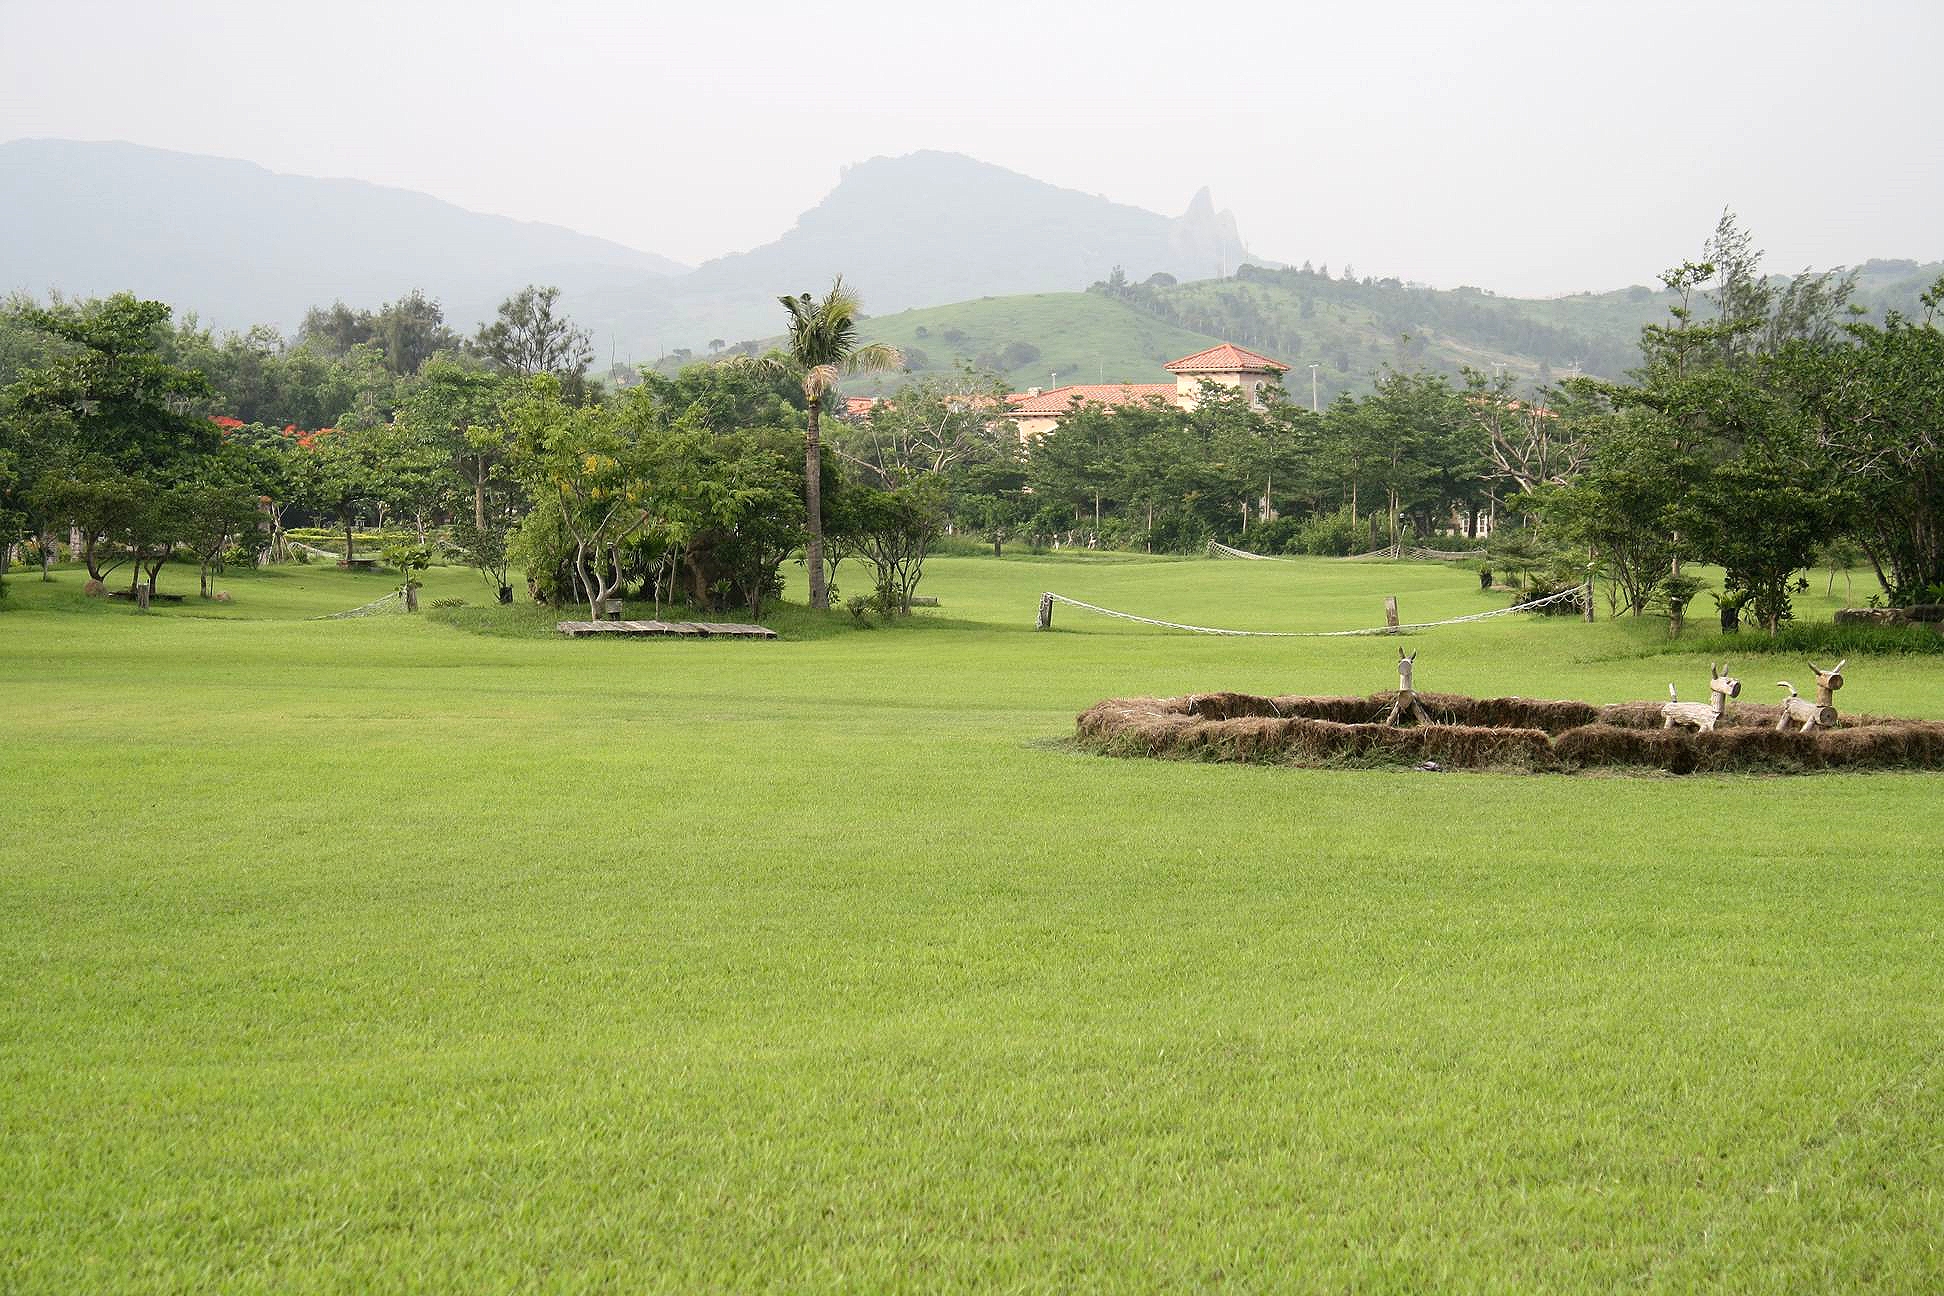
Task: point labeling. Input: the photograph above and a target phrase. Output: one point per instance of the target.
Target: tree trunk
(347, 538)
(479, 494)
(813, 511)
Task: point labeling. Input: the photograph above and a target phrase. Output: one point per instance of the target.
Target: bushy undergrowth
(1825, 637)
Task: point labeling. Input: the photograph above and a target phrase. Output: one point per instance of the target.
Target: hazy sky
(1525, 147)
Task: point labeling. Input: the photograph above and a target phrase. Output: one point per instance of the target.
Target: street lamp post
(1313, 389)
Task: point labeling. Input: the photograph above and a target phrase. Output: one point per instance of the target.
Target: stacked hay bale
(1525, 734)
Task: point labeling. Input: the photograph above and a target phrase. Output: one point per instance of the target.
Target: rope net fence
(1216, 549)
(392, 602)
(1577, 595)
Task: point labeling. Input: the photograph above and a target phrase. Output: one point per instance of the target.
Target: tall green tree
(532, 336)
(822, 346)
(1875, 409)
(336, 476)
(456, 405)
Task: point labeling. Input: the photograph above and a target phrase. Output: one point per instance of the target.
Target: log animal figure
(1820, 714)
(1828, 681)
(1406, 702)
(1701, 716)
(1809, 715)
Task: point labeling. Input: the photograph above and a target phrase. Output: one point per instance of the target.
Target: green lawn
(386, 955)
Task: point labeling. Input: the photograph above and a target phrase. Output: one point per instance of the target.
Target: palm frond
(817, 382)
(770, 364)
(873, 357)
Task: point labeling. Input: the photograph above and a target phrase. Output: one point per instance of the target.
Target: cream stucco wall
(1033, 426)
(1188, 386)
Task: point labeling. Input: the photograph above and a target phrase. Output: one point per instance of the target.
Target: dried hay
(1493, 733)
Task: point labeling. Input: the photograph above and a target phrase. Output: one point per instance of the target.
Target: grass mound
(1521, 734)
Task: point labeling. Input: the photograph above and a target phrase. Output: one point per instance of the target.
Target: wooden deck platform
(681, 629)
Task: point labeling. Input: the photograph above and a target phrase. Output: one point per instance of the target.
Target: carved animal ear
(1413, 656)
(1714, 671)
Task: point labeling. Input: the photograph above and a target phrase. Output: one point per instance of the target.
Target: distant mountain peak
(241, 244)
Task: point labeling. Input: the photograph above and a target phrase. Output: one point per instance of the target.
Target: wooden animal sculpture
(1701, 716)
(1827, 682)
(1808, 714)
(1406, 702)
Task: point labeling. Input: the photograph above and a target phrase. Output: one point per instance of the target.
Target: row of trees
(1766, 425)
(1416, 455)
(694, 487)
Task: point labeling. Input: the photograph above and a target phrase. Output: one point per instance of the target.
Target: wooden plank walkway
(682, 629)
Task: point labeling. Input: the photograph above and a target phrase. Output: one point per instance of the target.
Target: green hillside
(1350, 329)
(1081, 337)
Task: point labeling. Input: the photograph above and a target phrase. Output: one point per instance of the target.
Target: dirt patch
(1522, 734)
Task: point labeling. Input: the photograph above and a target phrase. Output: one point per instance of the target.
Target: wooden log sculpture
(1701, 716)
(1827, 682)
(1406, 703)
(1810, 715)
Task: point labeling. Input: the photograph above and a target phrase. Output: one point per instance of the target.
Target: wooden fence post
(1046, 612)
(1390, 610)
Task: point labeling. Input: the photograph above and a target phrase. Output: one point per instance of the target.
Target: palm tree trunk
(813, 510)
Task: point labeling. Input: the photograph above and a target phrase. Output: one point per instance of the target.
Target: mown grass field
(389, 955)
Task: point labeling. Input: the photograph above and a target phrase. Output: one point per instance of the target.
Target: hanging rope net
(392, 602)
(1577, 594)
(1216, 549)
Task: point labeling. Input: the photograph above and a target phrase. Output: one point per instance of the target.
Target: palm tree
(823, 347)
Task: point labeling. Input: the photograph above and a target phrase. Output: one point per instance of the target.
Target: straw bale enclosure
(1517, 734)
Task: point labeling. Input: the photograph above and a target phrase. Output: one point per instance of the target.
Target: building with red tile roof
(1224, 359)
(1036, 412)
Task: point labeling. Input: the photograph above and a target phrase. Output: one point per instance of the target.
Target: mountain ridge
(957, 259)
(242, 244)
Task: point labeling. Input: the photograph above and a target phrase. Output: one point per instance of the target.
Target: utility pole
(1313, 408)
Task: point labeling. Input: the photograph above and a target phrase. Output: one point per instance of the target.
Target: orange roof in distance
(1226, 358)
(1061, 400)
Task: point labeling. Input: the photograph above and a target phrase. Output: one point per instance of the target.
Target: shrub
(1331, 535)
(1280, 536)
(1819, 638)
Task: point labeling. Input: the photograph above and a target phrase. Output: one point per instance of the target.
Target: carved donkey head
(1404, 665)
(1828, 681)
(1721, 685)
